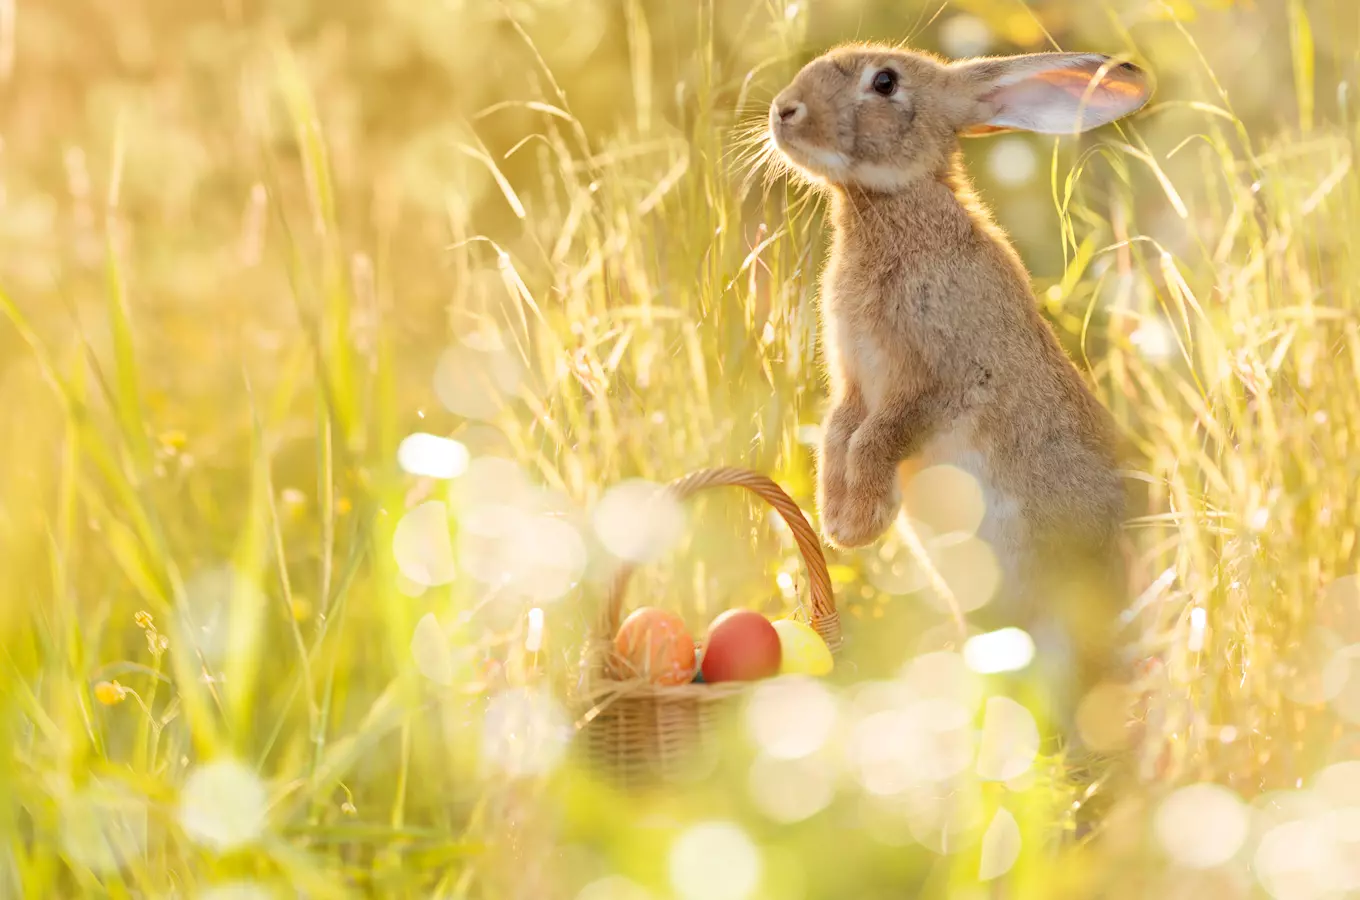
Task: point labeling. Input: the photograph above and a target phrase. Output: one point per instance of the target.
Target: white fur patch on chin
(834, 167)
(815, 163)
(832, 163)
(878, 177)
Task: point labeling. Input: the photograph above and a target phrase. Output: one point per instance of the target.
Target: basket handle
(825, 620)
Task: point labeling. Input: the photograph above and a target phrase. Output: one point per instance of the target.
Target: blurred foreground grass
(259, 643)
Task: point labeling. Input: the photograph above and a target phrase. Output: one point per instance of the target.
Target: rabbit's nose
(792, 113)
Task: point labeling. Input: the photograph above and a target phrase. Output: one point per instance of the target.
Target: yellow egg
(804, 651)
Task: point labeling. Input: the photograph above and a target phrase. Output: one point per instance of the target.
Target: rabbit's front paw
(855, 518)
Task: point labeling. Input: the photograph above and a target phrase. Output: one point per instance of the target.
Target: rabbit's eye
(885, 82)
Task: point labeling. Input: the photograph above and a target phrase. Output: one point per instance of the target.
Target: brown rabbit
(934, 344)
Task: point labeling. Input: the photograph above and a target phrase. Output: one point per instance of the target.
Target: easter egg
(654, 644)
(803, 650)
(741, 645)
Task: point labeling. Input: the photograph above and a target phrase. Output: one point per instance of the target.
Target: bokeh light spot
(1004, 650)
(431, 652)
(714, 861)
(1010, 740)
(422, 546)
(965, 35)
(533, 639)
(1202, 826)
(536, 556)
(475, 378)
(637, 521)
(1293, 861)
(525, 732)
(946, 499)
(1314, 670)
(223, 804)
(1153, 339)
(969, 568)
(1103, 717)
(945, 819)
(1000, 846)
(1339, 784)
(515, 537)
(790, 790)
(925, 741)
(492, 481)
(432, 456)
(210, 595)
(1012, 161)
(1345, 670)
(943, 675)
(554, 557)
(791, 717)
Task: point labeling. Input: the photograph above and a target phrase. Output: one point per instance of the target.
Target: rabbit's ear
(1050, 93)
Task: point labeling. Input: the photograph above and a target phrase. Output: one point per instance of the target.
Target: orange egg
(654, 644)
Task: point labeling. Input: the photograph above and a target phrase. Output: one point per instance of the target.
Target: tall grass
(245, 648)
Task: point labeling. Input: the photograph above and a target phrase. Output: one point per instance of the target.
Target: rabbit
(934, 346)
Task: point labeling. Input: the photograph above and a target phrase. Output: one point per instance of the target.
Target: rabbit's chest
(863, 359)
(1002, 525)
(872, 353)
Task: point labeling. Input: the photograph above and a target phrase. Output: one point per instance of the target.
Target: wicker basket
(636, 733)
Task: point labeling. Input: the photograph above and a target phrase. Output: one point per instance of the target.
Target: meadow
(340, 340)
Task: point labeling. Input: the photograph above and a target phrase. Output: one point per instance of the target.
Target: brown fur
(933, 342)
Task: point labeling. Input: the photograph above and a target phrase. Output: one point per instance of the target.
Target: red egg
(741, 645)
(654, 644)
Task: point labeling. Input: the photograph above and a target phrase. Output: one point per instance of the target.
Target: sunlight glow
(943, 675)
(1346, 665)
(1004, 650)
(533, 641)
(965, 35)
(525, 732)
(422, 545)
(1103, 717)
(945, 819)
(894, 750)
(969, 568)
(791, 717)
(945, 498)
(637, 522)
(1000, 846)
(1010, 740)
(1198, 622)
(477, 377)
(535, 556)
(1316, 668)
(515, 537)
(430, 649)
(223, 805)
(432, 456)
(1295, 860)
(1202, 826)
(1154, 340)
(210, 596)
(715, 861)
(1012, 161)
(791, 790)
